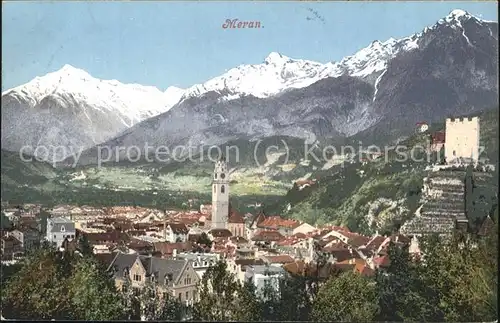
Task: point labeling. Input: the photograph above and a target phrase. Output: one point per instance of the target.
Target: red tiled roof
(339, 245)
(281, 259)
(275, 222)
(235, 217)
(356, 240)
(166, 248)
(376, 242)
(439, 137)
(268, 236)
(106, 237)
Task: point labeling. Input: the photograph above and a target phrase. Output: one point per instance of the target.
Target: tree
(149, 299)
(130, 301)
(170, 308)
(203, 239)
(270, 300)
(349, 297)
(93, 293)
(39, 290)
(84, 246)
(247, 307)
(295, 301)
(217, 294)
(401, 294)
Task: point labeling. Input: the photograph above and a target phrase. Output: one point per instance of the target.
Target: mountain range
(377, 94)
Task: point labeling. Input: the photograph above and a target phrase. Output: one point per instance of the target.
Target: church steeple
(220, 194)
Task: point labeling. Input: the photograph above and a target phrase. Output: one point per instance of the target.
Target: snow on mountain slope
(278, 72)
(133, 102)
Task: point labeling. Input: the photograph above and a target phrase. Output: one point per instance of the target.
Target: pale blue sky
(183, 43)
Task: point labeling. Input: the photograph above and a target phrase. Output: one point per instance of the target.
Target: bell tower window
(222, 189)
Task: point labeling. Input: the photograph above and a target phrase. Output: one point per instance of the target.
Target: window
(215, 190)
(222, 175)
(63, 229)
(454, 153)
(215, 176)
(180, 296)
(137, 278)
(187, 296)
(222, 189)
(165, 295)
(124, 288)
(54, 236)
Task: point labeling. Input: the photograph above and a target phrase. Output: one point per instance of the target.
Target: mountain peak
(276, 58)
(457, 15)
(69, 70)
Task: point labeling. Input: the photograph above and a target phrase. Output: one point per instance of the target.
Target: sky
(183, 43)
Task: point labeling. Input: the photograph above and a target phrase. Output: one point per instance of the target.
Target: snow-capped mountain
(279, 73)
(133, 101)
(437, 71)
(449, 68)
(70, 108)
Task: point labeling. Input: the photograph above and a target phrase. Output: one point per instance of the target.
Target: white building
(176, 232)
(462, 139)
(262, 275)
(200, 261)
(59, 229)
(220, 195)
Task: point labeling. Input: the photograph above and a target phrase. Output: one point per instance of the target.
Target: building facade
(462, 139)
(59, 229)
(170, 276)
(220, 195)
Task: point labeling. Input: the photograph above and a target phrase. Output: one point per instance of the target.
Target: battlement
(462, 120)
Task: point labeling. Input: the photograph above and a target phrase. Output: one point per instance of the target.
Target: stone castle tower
(220, 195)
(462, 138)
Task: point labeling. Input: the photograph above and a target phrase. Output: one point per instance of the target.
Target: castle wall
(462, 138)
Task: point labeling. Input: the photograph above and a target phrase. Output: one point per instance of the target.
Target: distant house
(236, 223)
(174, 277)
(59, 229)
(265, 275)
(176, 232)
(422, 127)
(200, 261)
(284, 226)
(28, 237)
(437, 141)
(10, 246)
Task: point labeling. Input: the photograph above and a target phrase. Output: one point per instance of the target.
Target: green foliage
(217, 292)
(84, 246)
(54, 285)
(349, 297)
(247, 306)
(5, 222)
(93, 293)
(204, 240)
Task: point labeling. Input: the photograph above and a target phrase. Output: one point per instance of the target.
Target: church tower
(220, 195)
